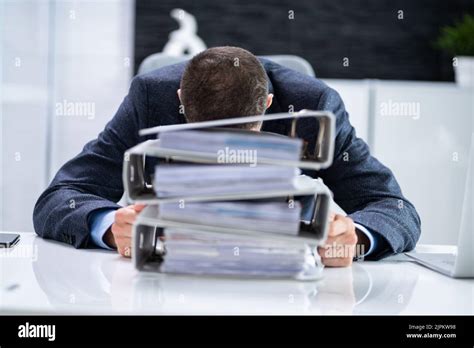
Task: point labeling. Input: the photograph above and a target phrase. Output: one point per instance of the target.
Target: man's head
(224, 82)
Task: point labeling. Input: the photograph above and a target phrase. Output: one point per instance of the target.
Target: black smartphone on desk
(9, 240)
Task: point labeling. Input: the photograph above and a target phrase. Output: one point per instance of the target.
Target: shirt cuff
(370, 237)
(100, 223)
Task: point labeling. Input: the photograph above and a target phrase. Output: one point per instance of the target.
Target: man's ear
(179, 94)
(269, 100)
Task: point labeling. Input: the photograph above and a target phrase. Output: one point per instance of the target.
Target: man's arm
(366, 189)
(92, 181)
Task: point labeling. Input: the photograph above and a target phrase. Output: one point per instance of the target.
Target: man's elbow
(414, 229)
(41, 213)
(38, 219)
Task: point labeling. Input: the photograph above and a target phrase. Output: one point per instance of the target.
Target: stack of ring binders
(148, 244)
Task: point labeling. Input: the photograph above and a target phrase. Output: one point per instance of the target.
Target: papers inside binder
(188, 251)
(201, 180)
(233, 145)
(273, 217)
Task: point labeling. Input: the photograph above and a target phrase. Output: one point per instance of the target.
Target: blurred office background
(378, 54)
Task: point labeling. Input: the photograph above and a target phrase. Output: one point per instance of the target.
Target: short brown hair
(223, 82)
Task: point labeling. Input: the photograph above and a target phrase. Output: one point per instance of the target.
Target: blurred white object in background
(464, 71)
(184, 40)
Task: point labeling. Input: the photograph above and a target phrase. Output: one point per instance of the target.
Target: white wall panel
(69, 51)
(427, 152)
(355, 94)
(93, 68)
(24, 81)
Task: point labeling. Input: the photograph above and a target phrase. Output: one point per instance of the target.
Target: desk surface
(40, 276)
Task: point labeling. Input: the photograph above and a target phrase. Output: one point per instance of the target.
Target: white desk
(40, 276)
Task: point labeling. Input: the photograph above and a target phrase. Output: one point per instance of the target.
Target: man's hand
(340, 245)
(120, 233)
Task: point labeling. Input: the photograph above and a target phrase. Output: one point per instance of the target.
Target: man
(79, 205)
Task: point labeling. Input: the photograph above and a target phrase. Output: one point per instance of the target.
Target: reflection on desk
(40, 276)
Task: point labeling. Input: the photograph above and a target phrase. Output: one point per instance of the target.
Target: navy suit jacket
(362, 186)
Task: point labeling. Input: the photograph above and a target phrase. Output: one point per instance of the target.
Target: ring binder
(150, 249)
